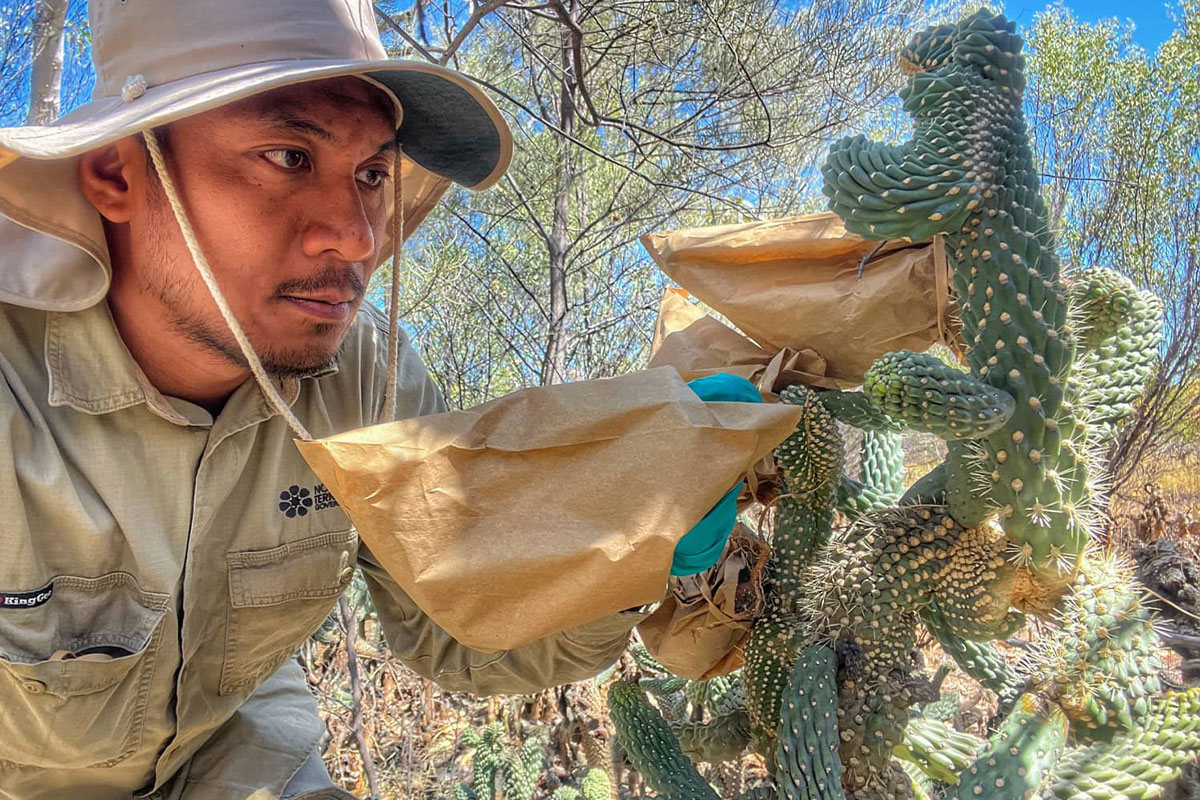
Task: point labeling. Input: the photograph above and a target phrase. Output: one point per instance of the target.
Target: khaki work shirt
(200, 552)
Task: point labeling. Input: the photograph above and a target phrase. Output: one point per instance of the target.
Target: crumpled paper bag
(698, 345)
(547, 508)
(696, 632)
(792, 283)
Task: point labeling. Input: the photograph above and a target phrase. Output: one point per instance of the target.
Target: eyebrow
(287, 119)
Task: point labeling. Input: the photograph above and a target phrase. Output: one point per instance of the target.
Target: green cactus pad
(882, 463)
(968, 173)
(979, 660)
(1016, 759)
(770, 651)
(595, 785)
(933, 397)
(857, 410)
(652, 748)
(864, 598)
(810, 465)
(937, 749)
(855, 499)
(808, 765)
(923, 787)
(522, 768)
(489, 743)
(722, 738)
(1102, 665)
(1136, 763)
(1120, 331)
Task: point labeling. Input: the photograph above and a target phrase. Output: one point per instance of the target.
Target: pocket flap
(319, 566)
(110, 611)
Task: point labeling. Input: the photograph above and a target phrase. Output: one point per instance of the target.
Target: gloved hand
(701, 547)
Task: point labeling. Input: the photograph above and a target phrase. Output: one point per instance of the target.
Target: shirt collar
(92, 371)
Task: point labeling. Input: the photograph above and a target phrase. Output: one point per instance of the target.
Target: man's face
(287, 193)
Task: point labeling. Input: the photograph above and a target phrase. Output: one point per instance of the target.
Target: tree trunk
(554, 368)
(48, 19)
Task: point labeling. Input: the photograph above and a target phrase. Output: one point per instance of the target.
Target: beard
(176, 286)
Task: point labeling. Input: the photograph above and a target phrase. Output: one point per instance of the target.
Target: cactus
(594, 785)
(652, 748)
(721, 739)
(1001, 529)
(857, 410)
(882, 465)
(1017, 758)
(968, 174)
(518, 769)
(1136, 762)
(937, 749)
(933, 397)
(810, 462)
(1120, 330)
(979, 660)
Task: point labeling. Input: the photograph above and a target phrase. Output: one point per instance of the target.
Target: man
(165, 547)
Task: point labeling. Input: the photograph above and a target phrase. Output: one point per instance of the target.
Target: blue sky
(1152, 23)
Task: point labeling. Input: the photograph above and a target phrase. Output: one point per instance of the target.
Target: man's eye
(373, 177)
(287, 159)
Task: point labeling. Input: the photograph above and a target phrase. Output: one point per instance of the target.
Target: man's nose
(339, 224)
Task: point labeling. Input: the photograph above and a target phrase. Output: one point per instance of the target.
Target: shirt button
(33, 686)
(346, 574)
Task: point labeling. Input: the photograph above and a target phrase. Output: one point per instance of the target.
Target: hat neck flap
(55, 253)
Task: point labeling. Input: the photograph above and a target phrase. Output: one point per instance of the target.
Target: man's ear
(113, 178)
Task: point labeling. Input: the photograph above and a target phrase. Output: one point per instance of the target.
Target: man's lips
(327, 307)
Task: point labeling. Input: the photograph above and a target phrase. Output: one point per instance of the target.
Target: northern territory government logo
(297, 501)
(27, 599)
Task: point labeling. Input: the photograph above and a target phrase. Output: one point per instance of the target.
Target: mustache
(331, 277)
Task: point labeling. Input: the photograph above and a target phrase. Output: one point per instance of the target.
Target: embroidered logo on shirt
(297, 501)
(26, 599)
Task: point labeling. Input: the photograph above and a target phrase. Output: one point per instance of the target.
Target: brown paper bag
(697, 345)
(792, 283)
(697, 630)
(548, 508)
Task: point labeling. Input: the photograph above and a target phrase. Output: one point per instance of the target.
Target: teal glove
(701, 547)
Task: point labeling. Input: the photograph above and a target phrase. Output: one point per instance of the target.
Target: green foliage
(1116, 130)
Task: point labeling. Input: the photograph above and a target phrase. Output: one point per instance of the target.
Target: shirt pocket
(79, 713)
(277, 599)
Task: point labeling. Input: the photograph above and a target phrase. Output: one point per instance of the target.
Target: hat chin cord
(269, 389)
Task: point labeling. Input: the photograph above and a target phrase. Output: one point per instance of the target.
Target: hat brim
(449, 126)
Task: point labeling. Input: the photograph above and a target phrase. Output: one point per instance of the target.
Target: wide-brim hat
(162, 60)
